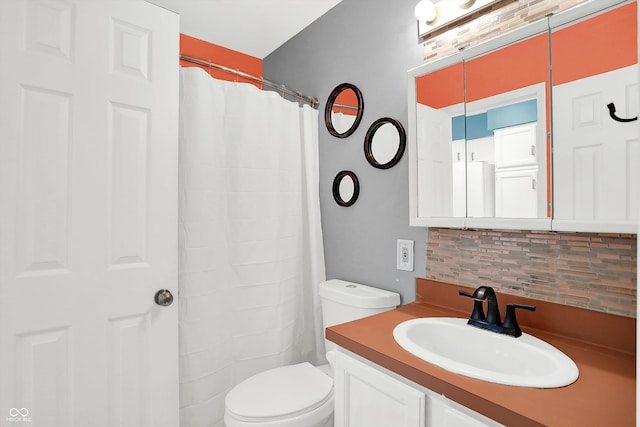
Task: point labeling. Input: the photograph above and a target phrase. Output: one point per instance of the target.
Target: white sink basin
(468, 350)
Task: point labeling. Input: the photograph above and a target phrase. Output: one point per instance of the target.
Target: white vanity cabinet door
(367, 397)
(443, 412)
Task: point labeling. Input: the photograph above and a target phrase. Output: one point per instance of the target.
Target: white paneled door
(88, 213)
(434, 152)
(596, 158)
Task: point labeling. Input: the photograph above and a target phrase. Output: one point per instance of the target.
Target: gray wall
(372, 44)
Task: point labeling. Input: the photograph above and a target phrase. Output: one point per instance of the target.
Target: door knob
(163, 297)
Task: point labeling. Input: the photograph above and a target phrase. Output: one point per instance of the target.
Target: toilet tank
(344, 301)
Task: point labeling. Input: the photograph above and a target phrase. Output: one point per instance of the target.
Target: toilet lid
(280, 392)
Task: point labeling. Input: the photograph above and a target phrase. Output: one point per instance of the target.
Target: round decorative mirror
(346, 188)
(344, 109)
(384, 143)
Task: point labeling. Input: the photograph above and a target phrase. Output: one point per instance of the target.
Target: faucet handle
(510, 321)
(478, 311)
(525, 306)
(466, 294)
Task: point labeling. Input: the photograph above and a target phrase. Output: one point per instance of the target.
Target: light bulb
(426, 11)
(466, 4)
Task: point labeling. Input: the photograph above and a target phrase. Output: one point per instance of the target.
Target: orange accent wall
(598, 45)
(204, 50)
(519, 65)
(441, 88)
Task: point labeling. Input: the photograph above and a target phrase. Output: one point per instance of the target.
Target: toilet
(302, 395)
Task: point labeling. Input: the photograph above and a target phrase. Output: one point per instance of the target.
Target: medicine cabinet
(481, 148)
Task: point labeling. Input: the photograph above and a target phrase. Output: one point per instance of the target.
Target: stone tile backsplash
(596, 271)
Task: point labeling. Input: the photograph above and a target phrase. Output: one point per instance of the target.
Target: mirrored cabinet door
(507, 128)
(482, 136)
(438, 151)
(595, 99)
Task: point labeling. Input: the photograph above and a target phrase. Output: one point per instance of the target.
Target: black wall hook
(612, 113)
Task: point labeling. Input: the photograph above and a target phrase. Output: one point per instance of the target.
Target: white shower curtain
(251, 254)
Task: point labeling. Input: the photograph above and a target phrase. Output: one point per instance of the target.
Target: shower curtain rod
(313, 101)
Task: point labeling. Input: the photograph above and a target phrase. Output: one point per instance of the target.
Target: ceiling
(254, 27)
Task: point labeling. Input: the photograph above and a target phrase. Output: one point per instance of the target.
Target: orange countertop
(603, 395)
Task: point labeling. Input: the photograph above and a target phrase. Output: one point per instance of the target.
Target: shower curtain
(251, 254)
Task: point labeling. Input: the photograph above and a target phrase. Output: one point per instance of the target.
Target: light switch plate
(405, 255)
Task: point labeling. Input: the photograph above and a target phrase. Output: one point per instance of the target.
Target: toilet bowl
(290, 396)
(302, 395)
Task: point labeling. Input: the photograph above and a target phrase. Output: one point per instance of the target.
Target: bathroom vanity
(378, 383)
(370, 395)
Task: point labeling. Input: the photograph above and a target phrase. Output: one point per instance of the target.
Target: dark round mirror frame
(327, 110)
(368, 142)
(336, 188)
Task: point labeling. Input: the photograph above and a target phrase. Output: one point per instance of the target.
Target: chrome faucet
(492, 320)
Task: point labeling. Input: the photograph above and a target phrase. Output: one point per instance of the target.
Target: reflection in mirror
(440, 139)
(482, 148)
(596, 179)
(346, 188)
(344, 110)
(506, 128)
(384, 143)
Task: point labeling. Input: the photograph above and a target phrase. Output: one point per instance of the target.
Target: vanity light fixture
(435, 14)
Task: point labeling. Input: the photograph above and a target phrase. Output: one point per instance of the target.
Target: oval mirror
(343, 111)
(384, 143)
(346, 188)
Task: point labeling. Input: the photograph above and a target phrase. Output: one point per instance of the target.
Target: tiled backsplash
(503, 17)
(588, 270)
